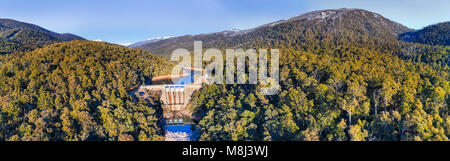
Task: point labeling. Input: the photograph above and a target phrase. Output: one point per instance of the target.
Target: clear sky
(129, 21)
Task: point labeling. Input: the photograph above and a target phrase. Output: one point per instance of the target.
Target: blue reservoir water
(180, 128)
(187, 79)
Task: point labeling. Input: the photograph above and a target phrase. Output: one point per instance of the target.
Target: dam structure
(174, 98)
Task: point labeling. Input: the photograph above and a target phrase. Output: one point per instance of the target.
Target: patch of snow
(159, 38)
(276, 23)
(125, 44)
(232, 32)
(376, 15)
(149, 41)
(321, 14)
(326, 14)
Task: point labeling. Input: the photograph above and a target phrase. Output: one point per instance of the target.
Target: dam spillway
(174, 98)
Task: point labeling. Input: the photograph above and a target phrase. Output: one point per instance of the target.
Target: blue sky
(129, 21)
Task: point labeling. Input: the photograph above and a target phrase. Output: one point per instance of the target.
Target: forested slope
(79, 90)
(438, 34)
(341, 80)
(345, 93)
(18, 37)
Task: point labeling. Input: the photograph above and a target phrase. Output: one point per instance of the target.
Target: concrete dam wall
(174, 98)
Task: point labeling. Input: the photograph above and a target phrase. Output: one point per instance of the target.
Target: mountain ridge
(330, 24)
(437, 34)
(19, 36)
(14, 24)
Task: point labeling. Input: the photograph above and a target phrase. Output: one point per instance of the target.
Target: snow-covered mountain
(355, 25)
(149, 41)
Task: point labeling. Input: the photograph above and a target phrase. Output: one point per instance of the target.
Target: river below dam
(178, 126)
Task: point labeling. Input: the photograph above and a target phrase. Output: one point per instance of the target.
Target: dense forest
(79, 91)
(355, 84)
(18, 37)
(344, 93)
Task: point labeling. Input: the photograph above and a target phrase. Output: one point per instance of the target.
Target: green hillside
(18, 36)
(78, 90)
(351, 80)
(340, 94)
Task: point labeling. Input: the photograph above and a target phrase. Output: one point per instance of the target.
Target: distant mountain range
(18, 36)
(349, 25)
(149, 41)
